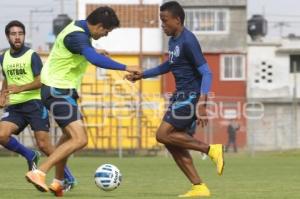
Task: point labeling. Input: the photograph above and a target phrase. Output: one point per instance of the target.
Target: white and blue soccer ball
(108, 177)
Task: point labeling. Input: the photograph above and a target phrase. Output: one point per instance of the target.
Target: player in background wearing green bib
(61, 76)
(20, 95)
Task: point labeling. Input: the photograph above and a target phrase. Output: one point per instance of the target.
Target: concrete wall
(264, 59)
(276, 130)
(235, 40)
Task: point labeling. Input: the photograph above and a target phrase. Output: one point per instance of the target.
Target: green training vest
(64, 69)
(18, 71)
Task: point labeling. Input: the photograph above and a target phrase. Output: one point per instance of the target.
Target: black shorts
(181, 112)
(32, 112)
(62, 103)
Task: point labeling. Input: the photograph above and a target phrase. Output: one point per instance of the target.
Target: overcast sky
(43, 12)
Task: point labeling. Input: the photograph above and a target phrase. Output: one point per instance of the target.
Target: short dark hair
(12, 24)
(175, 9)
(104, 15)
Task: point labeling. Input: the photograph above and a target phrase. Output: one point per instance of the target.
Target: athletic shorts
(32, 112)
(181, 112)
(62, 104)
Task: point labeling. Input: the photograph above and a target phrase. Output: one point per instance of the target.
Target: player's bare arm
(13, 89)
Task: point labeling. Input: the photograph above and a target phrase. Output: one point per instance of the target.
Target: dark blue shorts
(62, 104)
(32, 112)
(181, 112)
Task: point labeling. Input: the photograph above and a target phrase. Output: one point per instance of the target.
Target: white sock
(39, 172)
(61, 182)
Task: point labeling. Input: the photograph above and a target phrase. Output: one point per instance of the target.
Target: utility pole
(295, 105)
(31, 12)
(281, 25)
(140, 97)
(62, 6)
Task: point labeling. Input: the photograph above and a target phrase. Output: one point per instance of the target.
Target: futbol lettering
(16, 70)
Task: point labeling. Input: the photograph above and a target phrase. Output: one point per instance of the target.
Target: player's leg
(45, 145)
(14, 123)
(12, 144)
(43, 142)
(58, 184)
(66, 113)
(168, 135)
(69, 180)
(63, 176)
(179, 117)
(227, 145)
(185, 162)
(78, 139)
(234, 145)
(38, 119)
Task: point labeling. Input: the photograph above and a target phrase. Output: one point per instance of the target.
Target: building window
(150, 62)
(294, 63)
(207, 20)
(232, 67)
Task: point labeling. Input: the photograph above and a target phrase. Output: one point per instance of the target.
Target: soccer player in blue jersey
(188, 104)
(20, 95)
(61, 77)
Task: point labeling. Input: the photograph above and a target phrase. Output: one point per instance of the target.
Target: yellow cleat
(196, 191)
(216, 154)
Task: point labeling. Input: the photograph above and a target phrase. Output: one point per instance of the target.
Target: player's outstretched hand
(202, 119)
(133, 76)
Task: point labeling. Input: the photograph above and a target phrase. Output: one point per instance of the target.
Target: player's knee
(44, 146)
(161, 138)
(82, 142)
(4, 137)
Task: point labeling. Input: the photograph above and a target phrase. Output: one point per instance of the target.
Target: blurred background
(252, 47)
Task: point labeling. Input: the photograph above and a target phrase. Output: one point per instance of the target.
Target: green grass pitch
(267, 175)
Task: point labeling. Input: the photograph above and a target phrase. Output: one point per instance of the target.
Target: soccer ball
(108, 177)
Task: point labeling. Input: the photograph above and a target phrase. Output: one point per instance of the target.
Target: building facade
(273, 88)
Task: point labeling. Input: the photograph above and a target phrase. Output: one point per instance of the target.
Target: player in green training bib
(20, 95)
(61, 76)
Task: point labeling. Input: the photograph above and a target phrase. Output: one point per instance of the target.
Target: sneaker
(197, 191)
(33, 163)
(216, 154)
(38, 179)
(57, 189)
(69, 184)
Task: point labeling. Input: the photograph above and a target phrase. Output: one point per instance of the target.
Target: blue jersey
(185, 56)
